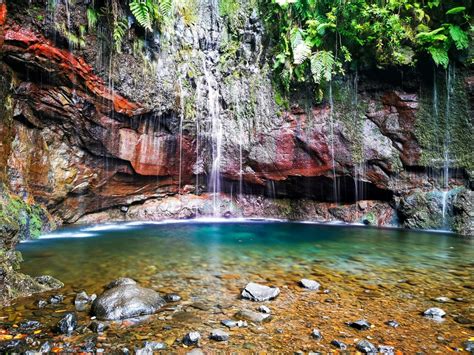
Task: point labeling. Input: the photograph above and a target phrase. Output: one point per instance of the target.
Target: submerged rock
(172, 297)
(124, 299)
(49, 282)
(56, 299)
(264, 309)
(192, 338)
(81, 301)
(316, 334)
(67, 324)
(310, 284)
(219, 335)
(386, 349)
(366, 347)
(29, 325)
(260, 293)
(339, 344)
(150, 347)
(392, 323)
(98, 327)
(434, 312)
(251, 316)
(361, 324)
(229, 323)
(122, 281)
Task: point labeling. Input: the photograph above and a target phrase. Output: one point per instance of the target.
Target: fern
(165, 8)
(455, 10)
(439, 55)
(92, 18)
(322, 64)
(460, 38)
(120, 28)
(142, 13)
(300, 48)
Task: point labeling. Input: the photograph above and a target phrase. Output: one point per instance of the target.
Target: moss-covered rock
(463, 211)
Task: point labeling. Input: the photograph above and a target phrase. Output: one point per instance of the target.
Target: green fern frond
(322, 64)
(142, 13)
(120, 28)
(92, 18)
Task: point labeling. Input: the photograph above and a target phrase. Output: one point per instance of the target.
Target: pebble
(469, 346)
(386, 350)
(366, 347)
(195, 351)
(172, 297)
(251, 316)
(229, 323)
(29, 325)
(219, 335)
(434, 313)
(316, 334)
(310, 284)
(45, 348)
(361, 324)
(339, 344)
(392, 323)
(191, 338)
(56, 299)
(42, 303)
(98, 327)
(67, 324)
(264, 309)
(442, 299)
(81, 301)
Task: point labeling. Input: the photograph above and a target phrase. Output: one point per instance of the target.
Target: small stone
(442, 299)
(56, 299)
(49, 281)
(191, 338)
(124, 209)
(67, 324)
(150, 347)
(172, 297)
(234, 324)
(264, 309)
(463, 320)
(45, 348)
(434, 313)
(366, 347)
(98, 327)
(316, 334)
(88, 347)
(259, 293)
(339, 344)
(469, 346)
(42, 303)
(392, 323)
(219, 335)
(81, 301)
(251, 316)
(29, 325)
(361, 324)
(310, 284)
(386, 350)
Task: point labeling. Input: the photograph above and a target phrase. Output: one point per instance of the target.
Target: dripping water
(181, 121)
(331, 126)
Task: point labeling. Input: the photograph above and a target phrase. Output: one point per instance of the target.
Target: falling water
(331, 125)
(181, 120)
(357, 165)
(213, 108)
(450, 77)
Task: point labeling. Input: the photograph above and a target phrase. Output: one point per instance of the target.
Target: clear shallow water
(374, 274)
(140, 250)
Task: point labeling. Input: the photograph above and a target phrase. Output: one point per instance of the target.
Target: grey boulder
(126, 300)
(259, 293)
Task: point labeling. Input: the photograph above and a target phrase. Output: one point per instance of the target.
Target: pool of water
(77, 255)
(370, 273)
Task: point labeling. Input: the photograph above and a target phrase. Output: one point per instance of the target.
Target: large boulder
(126, 300)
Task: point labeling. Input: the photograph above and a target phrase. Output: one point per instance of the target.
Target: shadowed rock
(126, 300)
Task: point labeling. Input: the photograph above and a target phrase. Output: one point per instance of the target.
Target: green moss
(29, 219)
(442, 120)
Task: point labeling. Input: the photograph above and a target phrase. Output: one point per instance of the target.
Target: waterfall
(331, 126)
(357, 165)
(181, 120)
(450, 77)
(213, 108)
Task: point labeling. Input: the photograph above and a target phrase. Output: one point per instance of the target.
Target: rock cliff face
(92, 135)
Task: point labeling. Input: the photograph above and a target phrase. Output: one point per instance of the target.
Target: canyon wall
(186, 123)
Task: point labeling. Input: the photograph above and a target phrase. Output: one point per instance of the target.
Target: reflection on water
(201, 248)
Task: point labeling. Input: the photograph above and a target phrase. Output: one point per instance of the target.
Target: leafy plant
(92, 18)
(120, 28)
(143, 12)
